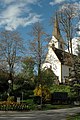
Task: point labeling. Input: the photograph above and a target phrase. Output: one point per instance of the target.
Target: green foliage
(37, 100)
(3, 96)
(10, 99)
(25, 79)
(74, 117)
(28, 68)
(27, 71)
(3, 75)
(76, 67)
(48, 77)
(62, 88)
(50, 106)
(76, 89)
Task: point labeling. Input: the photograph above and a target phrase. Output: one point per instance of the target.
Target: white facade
(55, 41)
(52, 61)
(57, 58)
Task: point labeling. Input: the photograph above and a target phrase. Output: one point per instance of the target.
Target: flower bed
(13, 106)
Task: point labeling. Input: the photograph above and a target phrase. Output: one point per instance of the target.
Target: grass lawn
(76, 117)
(34, 106)
(49, 106)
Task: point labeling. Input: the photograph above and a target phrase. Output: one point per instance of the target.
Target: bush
(65, 88)
(10, 98)
(60, 88)
(43, 92)
(3, 97)
(37, 99)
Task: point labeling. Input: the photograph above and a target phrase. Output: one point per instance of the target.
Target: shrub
(65, 88)
(10, 98)
(42, 91)
(37, 99)
(3, 97)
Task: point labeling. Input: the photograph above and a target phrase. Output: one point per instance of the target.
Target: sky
(21, 14)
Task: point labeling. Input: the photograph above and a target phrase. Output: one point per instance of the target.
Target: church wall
(53, 62)
(65, 72)
(56, 43)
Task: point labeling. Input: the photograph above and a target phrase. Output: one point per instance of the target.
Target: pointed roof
(56, 31)
(63, 56)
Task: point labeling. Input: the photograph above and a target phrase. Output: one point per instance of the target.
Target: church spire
(56, 31)
(57, 34)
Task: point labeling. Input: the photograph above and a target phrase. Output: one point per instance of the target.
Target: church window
(61, 45)
(69, 71)
(50, 67)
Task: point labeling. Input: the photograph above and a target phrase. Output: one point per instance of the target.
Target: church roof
(64, 57)
(56, 31)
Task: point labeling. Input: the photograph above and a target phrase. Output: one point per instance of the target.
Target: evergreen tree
(75, 73)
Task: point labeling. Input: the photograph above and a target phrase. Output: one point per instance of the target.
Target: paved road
(59, 114)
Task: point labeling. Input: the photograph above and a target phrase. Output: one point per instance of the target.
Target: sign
(18, 99)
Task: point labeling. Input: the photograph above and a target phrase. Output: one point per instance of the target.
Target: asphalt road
(59, 114)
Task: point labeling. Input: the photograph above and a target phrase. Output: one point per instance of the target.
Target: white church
(57, 58)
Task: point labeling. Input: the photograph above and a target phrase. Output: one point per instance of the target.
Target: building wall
(65, 72)
(55, 41)
(53, 62)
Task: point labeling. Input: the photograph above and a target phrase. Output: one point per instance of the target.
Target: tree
(66, 17)
(48, 77)
(28, 68)
(76, 69)
(38, 48)
(10, 50)
(25, 79)
(3, 81)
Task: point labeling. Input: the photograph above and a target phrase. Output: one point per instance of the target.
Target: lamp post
(22, 96)
(9, 81)
(22, 93)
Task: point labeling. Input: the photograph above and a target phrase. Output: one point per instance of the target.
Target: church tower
(56, 35)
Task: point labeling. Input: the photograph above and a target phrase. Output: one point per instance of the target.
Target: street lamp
(9, 81)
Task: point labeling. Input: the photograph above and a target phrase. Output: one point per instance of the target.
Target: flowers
(8, 105)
